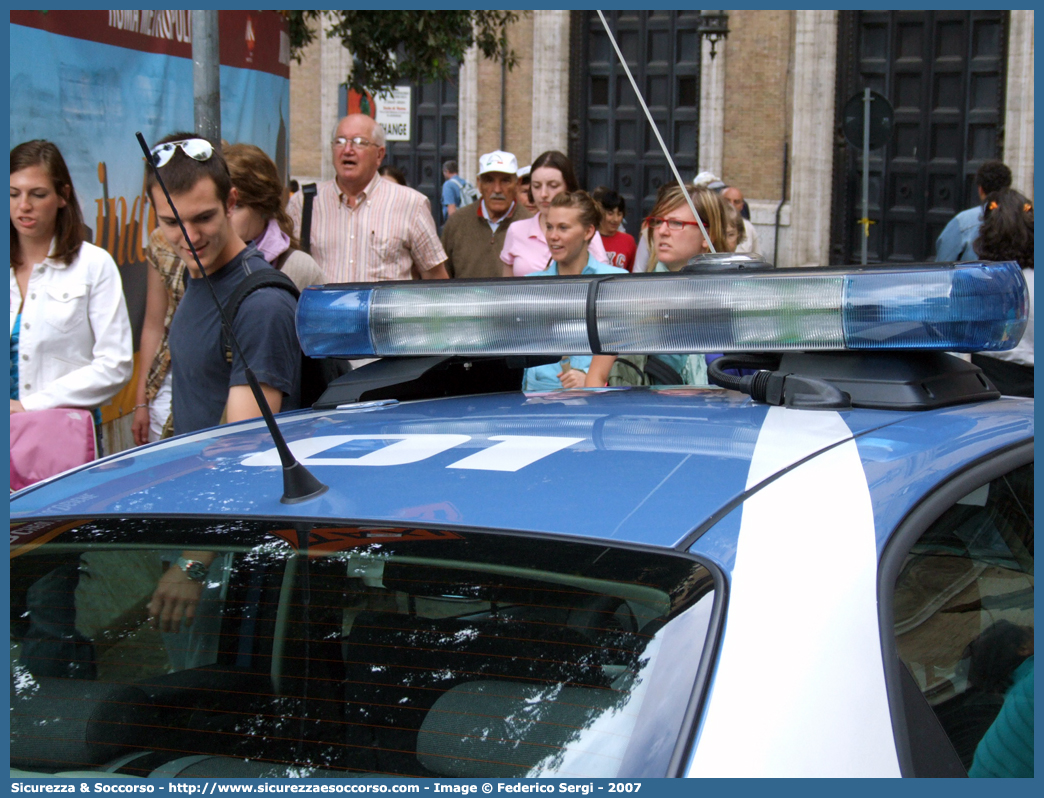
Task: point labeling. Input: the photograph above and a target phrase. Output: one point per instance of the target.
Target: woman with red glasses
(674, 239)
(674, 236)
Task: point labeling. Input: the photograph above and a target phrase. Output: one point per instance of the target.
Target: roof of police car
(628, 465)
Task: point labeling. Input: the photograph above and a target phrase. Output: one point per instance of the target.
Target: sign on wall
(393, 113)
(391, 109)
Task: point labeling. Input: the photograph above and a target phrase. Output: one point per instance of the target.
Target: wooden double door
(944, 73)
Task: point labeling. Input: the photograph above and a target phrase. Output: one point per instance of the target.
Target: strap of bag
(309, 190)
(263, 278)
(628, 364)
(281, 260)
(661, 373)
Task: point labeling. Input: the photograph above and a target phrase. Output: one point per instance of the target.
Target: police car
(832, 576)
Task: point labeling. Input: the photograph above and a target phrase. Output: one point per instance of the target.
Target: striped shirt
(390, 230)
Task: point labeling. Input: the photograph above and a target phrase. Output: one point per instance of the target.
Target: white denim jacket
(75, 346)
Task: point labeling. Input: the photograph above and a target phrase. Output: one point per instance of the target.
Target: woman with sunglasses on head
(572, 222)
(525, 248)
(1006, 233)
(260, 216)
(675, 238)
(70, 332)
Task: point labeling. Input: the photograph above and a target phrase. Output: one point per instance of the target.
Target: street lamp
(714, 25)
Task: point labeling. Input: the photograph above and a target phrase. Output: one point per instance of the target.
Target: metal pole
(656, 130)
(503, 96)
(866, 172)
(206, 81)
(782, 200)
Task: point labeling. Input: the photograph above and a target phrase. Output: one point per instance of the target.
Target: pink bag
(47, 442)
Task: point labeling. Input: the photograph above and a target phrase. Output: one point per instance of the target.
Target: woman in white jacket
(70, 332)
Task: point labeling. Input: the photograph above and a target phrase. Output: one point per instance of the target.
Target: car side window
(963, 610)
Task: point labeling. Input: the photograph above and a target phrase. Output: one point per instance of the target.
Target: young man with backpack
(456, 191)
(207, 386)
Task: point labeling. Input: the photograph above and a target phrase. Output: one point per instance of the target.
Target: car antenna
(298, 482)
(656, 130)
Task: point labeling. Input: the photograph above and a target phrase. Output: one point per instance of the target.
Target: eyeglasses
(654, 222)
(197, 149)
(358, 142)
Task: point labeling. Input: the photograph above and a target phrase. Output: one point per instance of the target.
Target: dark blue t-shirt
(264, 328)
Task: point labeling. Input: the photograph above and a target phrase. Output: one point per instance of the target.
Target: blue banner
(89, 97)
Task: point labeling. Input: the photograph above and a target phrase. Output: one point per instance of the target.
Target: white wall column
(712, 109)
(550, 81)
(812, 147)
(1018, 105)
(467, 117)
(335, 65)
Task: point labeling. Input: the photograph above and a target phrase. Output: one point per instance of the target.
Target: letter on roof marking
(513, 452)
(510, 453)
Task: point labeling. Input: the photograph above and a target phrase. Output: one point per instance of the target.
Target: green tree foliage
(395, 47)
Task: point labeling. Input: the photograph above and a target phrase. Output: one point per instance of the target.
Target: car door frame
(922, 746)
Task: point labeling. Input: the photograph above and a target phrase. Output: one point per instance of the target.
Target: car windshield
(342, 650)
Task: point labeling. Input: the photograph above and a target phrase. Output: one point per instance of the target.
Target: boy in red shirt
(619, 246)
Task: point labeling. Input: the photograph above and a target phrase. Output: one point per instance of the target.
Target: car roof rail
(434, 377)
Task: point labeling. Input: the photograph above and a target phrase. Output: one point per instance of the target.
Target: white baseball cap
(523, 171)
(709, 180)
(498, 161)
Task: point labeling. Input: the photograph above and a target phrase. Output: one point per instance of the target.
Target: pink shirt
(525, 248)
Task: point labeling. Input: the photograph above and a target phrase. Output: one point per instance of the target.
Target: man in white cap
(474, 237)
(709, 180)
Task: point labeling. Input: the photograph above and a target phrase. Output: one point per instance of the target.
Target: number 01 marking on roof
(510, 452)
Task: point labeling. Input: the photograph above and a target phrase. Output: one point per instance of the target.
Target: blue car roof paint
(905, 460)
(651, 466)
(664, 461)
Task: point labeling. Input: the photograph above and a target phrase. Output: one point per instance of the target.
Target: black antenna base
(299, 485)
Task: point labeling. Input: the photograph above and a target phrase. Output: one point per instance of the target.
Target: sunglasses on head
(197, 149)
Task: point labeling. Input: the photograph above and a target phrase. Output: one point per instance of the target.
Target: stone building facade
(773, 83)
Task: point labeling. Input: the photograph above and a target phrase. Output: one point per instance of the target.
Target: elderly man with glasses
(364, 228)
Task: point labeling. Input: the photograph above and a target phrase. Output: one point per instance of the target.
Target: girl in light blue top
(571, 223)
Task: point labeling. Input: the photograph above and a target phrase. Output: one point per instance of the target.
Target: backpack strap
(309, 190)
(262, 278)
(281, 260)
(637, 372)
(661, 372)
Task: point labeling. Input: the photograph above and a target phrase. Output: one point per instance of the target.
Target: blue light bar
(964, 308)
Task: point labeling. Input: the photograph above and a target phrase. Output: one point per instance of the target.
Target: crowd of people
(71, 336)
(999, 228)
